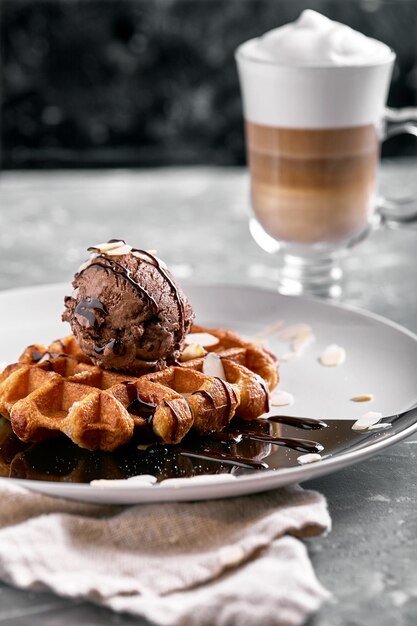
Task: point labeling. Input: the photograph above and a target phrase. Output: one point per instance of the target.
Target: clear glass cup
(313, 137)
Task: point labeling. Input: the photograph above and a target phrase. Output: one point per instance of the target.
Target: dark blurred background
(100, 83)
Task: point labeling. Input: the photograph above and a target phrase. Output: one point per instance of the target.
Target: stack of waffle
(57, 389)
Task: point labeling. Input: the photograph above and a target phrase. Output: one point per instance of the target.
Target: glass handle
(399, 210)
(407, 114)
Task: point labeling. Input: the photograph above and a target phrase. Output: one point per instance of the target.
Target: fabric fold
(231, 561)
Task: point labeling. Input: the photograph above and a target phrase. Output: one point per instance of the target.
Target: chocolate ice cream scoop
(127, 312)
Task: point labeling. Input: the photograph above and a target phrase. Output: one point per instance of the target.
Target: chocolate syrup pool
(243, 447)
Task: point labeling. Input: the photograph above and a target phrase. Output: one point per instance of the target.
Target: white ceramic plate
(381, 360)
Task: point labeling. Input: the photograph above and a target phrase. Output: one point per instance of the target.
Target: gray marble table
(197, 220)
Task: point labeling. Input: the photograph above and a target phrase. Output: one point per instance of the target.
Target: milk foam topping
(314, 73)
(315, 40)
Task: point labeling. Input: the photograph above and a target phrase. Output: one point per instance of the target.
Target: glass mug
(313, 137)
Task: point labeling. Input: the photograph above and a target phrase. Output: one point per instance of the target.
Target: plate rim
(269, 479)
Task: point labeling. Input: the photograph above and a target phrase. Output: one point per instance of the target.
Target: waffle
(56, 389)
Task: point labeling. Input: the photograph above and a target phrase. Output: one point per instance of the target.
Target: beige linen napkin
(231, 562)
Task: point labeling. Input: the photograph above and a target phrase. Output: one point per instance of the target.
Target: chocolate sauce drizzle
(205, 394)
(36, 355)
(112, 266)
(238, 435)
(174, 415)
(302, 445)
(137, 406)
(264, 386)
(114, 344)
(87, 308)
(45, 357)
(228, 391)
(306, 423)
(208, 454)
(180, 302)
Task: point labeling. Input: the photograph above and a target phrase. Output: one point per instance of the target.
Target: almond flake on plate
(288, 356)
(333, 355)
(368, 419)
(142, 480)
(300, 335)
(281, 398)
(380, 426)
(291, 332)
(213, 366)
(309, 458)
(301, 341)
(366, 397)
(270, 330)
(201, 479)
(204, 339)
(192, 351)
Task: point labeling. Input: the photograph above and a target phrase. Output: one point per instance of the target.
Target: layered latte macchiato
(314, 93)
(312, 185)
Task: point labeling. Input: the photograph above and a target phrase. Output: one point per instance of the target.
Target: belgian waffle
(56, 389)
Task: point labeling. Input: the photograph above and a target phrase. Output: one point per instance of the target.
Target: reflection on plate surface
(60, 460)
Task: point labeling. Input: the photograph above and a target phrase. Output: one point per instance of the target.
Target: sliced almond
(380, 426)
(144, 256)
(368, 419)
(141, 480)
(333, 355)
(202, 479)
(213, 366)
(300, 335)
(288, 356)
(281, 398)
(204, 339)
(106, 246)
(192, 351)
(291, 332)
(309, 458)
(301, 341)
(149, 256)
(366, 397)
(84, 266)
(125, 249)
(271, 329)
